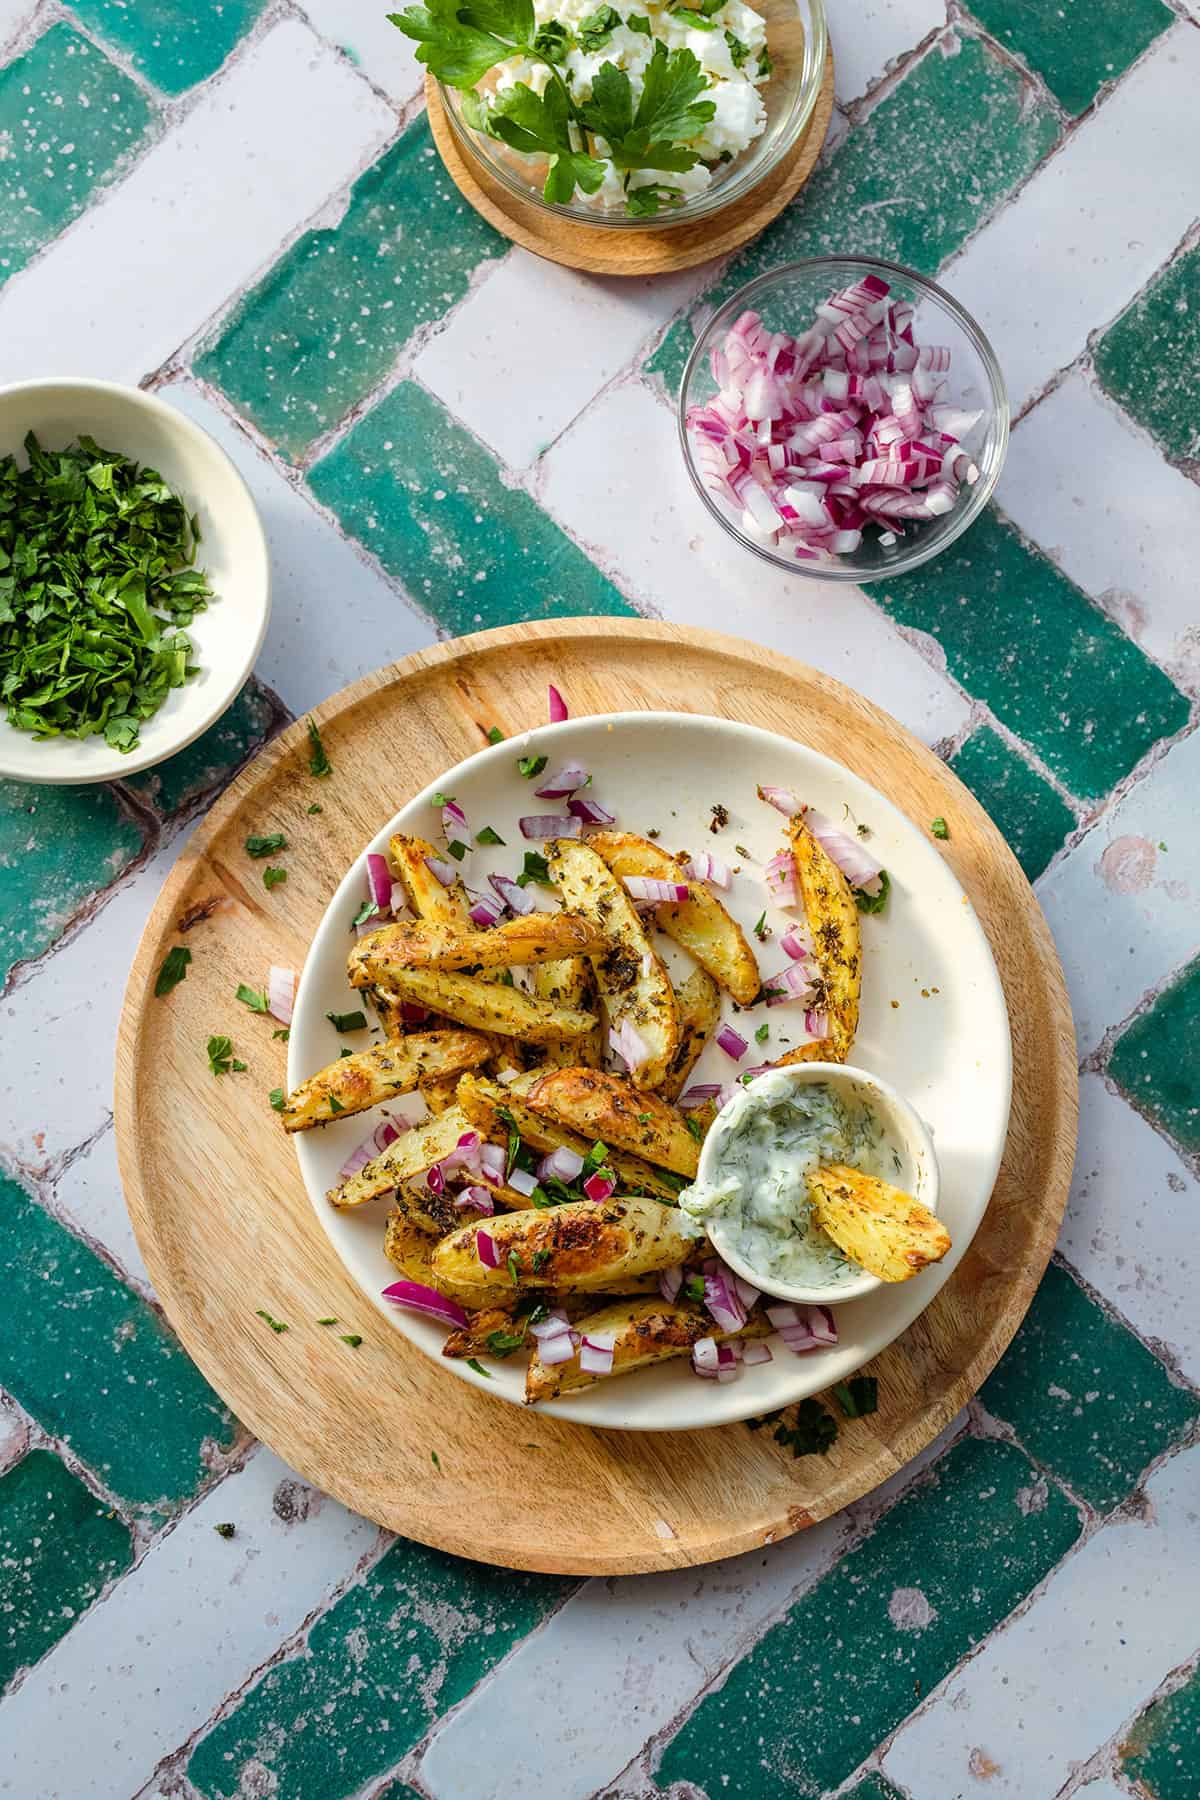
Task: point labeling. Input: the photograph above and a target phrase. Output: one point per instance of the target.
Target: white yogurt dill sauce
(759, 1152)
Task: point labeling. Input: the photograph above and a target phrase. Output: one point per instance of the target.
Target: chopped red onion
(745, 1290)
(590, 812)
(554, 1324)
(732, 1043)
(783, 1313)
(446, 873)
(821, 1324)
(487, 910)
(412, 1014)
(485, 1249)
(816, 1024)
(398, 901)
(670, 1281)
(698, 1095)
(514, 896)
(648, 887)
(629, 1045)
(550, 825)
(419, 1298)
(521, 1181)
(860, 869)
(281, 993)
(727, 1311)
(475, 1199)
(780, 877)
(557, 1349)
(435, 1180)
(797, 943)
(358, 1159)
(783, 799)
(454, 820)
(705, 1360)
(558, 706)
(465, 1155)
(756, 1353)
(386, 1132)
(599, 1188)
(379, 880)
(492, 1160)
(596, 1352)
(791, 983)
(562, 783)
(706, 867)
(560, 1165)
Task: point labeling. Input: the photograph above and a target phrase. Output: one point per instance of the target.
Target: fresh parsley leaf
(314, 808)
(540, 1259)
(455, 44)
(457, 849)
(594, 31)
(513, 1264)
(514, 1145)
(437, 798)
(275, 1324)
(873, 903)
(693, 1126)
(278, 1102)
(813, 1432)
(318, 763)
(495, 735)
(503, 1343)
(283, 1034)
(221, 1059)
(225, 1529)
(668, 112)
(763, 1032)
(254, 998)
(593, 1162)
(174, 970)
(273, 878)
(266, 846)
(738, 52)
(540, 1198)
(352, 1338)
(351, 1021)
(639, 22)
(488, 836)
(505, 978)
(473, 1362)
(696, 20)
(368, 910)
(335, 1105)
(329, 1321)
(536, 868)
(858, 1396)
(693, 1287)
(649, 198)
(552, 42)
(762, 930)
(530, 766)
(939, 828)
(540, 125)
(765, 65)
(435, 1460)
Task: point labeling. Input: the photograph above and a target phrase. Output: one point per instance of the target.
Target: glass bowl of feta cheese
(649, 116)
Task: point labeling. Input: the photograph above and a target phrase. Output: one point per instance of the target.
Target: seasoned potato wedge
(647, 1331)
(489, 1006)
(489, 1107)
(634, 985)
(571, 983)
(410, 1248)
(424, 892)
(700, 924)
(699, 1002)
(579, 1248)
(605, 1106)
(886, 1231)
(533, 938)
(438, 1091)
(354, 1083)
(833, 921)
(410, 1155)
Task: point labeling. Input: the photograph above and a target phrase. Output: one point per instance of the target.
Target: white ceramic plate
(227, 636)
(945, 1044)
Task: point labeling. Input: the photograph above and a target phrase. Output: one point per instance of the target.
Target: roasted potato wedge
(488, 1006)
(578, 1248)
(634, 985)
(647, 1331)
(571, 983)
(886, 1231)
(354, 1083)
(700, 924)
(424, 892)
(605, 1106)
(489, 1107)
(533, 938)
(833, 921)
(410, 1248)
(699, 1002)
(411, 1154)
(438, 1091)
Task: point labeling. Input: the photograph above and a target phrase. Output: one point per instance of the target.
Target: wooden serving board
(606, 250)
(226, 1226)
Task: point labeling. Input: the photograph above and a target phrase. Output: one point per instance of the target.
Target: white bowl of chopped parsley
(134, 581)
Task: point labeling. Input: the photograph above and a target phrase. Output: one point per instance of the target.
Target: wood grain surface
(226, 1226)
(606, 250)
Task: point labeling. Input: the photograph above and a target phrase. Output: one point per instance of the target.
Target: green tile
(67, 119)
(1157, 1060)
(854, 1655)
(1033, 817)
(93, 1364)
(58, 847)
(390, 1657)
(1075, 45)
(968, 122)
(1053, 668)
(174, 43)
(1162, 1752)
(1084, 1396)
(58, 1547)
(1149, 360)
(874, 1788)
(326, 324)
(428, 501)
(213, 758)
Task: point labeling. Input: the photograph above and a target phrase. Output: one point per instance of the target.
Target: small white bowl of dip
(758, 1151)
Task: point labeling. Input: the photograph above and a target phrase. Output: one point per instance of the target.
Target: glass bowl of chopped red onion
(843, 417)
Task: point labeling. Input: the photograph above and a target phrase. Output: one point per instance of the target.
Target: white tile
(516, 385)
(1048, 1689)
(1101, 1790)
(316, 579)
(1092, 225)
(621, 1659)
(1114, 515)
(197, 1616)
(362, 29)
(1123, 903)
(618, 482)
(198, 216)
(14, 1432)
(88, 1195)
(868, 35)
(1131, 1221)
(13, 14)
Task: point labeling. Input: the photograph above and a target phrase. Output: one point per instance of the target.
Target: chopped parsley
(858, 1396)
(174, 970)
(351, 1021)
(593, 1162)
(693, 1125)
(765, 65)
(326, 1321)
(939, 828)
(552, 41)
(531, 766)
(335, 1105)
(352, 1338)
(738, 52)
(594, 31)
(495, 735)
(762, 930)
(473, 1362)
(503, 1343)
(640, 23)
(273, 878)
(488, 836)
(457, 849)
(278, 1100)
(314, 808)
(225, 1529)
(283, 1034)
(254, 998)
(812, 1434)
(221, 1059)
(437, 798)
(536, 869)
(540, 1259)
(275, 1324)
(318, 763)
(873, 903)
(266, 846)
(368, 910)
(513, 1264)
(693, 1287)
(435, 1460)
(763, 1033)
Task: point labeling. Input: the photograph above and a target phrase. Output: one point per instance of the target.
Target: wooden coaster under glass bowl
(606, 251)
